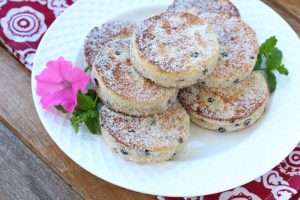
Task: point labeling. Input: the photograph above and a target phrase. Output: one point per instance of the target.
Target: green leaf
(84, 102)
(81, 117)
(271, 80)
(92, 123)
(274, 60)
(268, 45)
(61, 109)
(91, 93)
(86, 112)
(258, 63)
(282, 70)
(87, 69)
(272, 56)
(75, 122)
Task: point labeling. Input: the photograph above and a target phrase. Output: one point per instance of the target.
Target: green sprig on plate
(85, 112)
(269, 60)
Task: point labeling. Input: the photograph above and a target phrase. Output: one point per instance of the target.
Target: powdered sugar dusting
(237, 102)
(199, 7)
(238, 45)
(151, 132)
(175, 42)
(98, 36)
(115, 67)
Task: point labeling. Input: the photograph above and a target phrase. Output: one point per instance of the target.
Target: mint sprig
(85, 112)
(269, 60)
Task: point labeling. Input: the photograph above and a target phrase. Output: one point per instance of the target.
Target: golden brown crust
(114, 67)
(122, 88)
(238, 50)
(98, 36)
(157, 133)
(238, 102)
(175, 42)
(198, 7)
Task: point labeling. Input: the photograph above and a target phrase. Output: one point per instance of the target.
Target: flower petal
(46, 83)
(77, 74)
(65, 67)
(51, 99)
(52, 87)
(46, 75)
(53, 68)
(69, 101)
(65, 98)
(45, 88)
(80, 85)
(50, 79)
(79, 79)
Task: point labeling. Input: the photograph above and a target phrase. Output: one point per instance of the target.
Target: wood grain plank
(283, 8)
(24, 176)
(18, 113)
(291, 6)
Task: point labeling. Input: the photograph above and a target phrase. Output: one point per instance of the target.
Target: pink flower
(59, 83)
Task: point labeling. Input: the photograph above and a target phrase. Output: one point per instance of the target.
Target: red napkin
(23, 24)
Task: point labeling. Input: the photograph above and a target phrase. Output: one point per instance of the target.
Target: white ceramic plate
(211, 162)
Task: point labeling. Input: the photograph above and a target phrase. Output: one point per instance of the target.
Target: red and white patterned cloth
(24, 22)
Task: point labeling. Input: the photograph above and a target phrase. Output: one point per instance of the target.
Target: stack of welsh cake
(193, 61)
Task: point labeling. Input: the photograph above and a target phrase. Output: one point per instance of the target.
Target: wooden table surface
(31, 164)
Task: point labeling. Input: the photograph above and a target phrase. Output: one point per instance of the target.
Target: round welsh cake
(98, 36)
(122, 88)
(198, 7)
(238, 50)
(175, 49)
(227, 109)
(146, 139)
